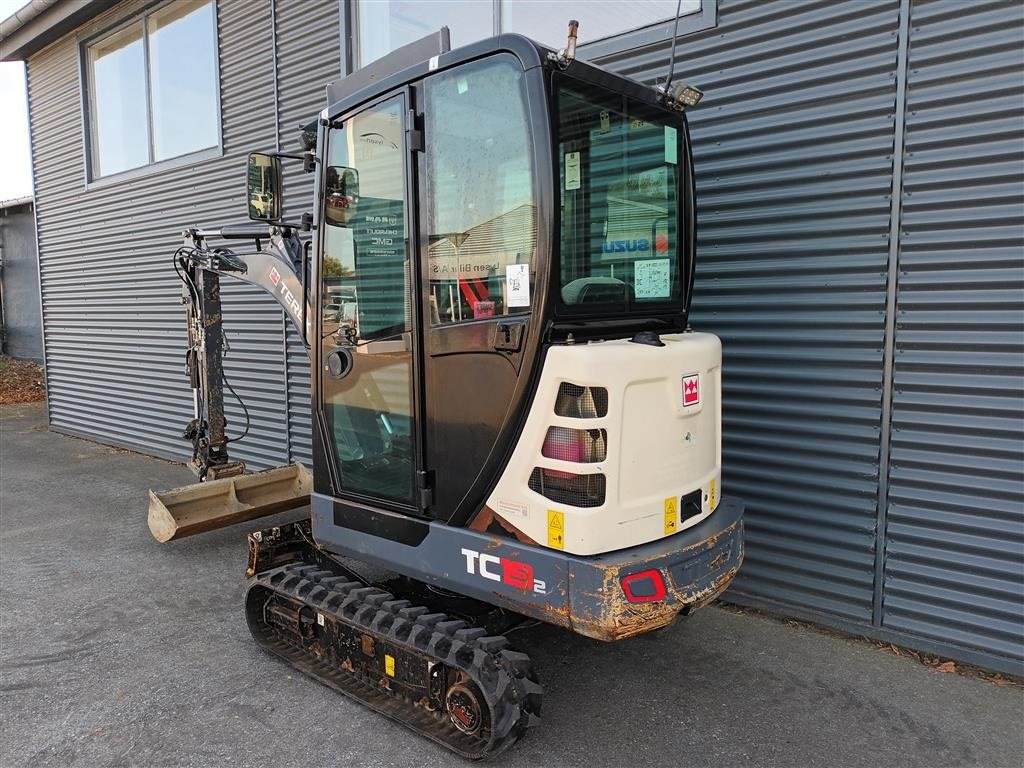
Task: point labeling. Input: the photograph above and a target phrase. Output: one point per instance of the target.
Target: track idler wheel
(466, 707)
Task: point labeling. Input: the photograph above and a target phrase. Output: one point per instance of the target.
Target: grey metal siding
(114, 324)
(19, 276)
(793, 151)
(955, 518)
(309, 57)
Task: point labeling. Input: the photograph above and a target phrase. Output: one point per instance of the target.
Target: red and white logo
(514, 573)
(691, 389)
(275, 276)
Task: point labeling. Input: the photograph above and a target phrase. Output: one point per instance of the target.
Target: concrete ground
(118, 651)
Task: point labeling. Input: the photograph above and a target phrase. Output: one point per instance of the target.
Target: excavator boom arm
(279, 268)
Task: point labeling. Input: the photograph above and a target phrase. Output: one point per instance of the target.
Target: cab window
(481, 215)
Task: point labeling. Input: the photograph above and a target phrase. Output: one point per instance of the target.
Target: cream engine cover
(655, 436)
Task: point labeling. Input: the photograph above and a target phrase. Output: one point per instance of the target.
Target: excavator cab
(510, 410)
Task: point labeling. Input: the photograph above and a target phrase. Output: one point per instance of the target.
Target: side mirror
(263, 183)
(341, 195)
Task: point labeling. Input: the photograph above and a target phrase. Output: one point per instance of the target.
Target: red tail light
(564, 444)
(644, 587)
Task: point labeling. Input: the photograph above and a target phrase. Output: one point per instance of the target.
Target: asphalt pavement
(118, 651)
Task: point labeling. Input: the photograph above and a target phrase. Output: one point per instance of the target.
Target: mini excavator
(510, 411)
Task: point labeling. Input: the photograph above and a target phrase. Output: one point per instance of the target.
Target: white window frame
(612, 45)
(92, 175)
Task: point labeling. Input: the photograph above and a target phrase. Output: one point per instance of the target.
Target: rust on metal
(617, 618)
(489, 521)
(368, 645)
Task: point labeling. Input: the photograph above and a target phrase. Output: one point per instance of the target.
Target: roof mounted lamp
(678, 96)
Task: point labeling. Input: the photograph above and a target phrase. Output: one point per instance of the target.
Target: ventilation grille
(579, 402)
(567, 488)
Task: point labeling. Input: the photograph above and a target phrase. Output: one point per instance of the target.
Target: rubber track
(504, 676)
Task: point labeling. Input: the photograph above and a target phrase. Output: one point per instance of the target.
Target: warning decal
(712, 499)
(691, 389)
(671, 515)
(556, 529)
(389, 665)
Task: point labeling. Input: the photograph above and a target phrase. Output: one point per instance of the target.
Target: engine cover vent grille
(566, 488)
(578, 402)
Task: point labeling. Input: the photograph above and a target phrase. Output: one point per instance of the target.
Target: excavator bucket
(216, 504)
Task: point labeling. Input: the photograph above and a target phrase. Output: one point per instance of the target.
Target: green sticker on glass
(670, 144)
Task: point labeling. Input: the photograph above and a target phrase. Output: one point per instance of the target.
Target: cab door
(480, 271)
(368, 347)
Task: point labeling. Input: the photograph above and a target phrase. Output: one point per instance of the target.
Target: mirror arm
(309, 159)
(304, 267)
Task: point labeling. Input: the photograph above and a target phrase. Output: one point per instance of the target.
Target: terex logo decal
(514, 573)
(621, 246)
(287, 297)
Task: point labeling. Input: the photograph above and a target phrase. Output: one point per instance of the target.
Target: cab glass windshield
(619, 182)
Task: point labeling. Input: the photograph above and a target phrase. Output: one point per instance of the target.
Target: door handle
(508, 335)
(339, 363)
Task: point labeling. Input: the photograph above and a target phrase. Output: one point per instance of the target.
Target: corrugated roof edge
(14, 202)
(40, 22)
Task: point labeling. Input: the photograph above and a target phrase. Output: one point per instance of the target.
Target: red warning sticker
(691, 389)
(275, 276)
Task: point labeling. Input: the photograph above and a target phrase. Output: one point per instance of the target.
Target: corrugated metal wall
(955, 524)
(303, 72)
(793, 151)
(115, 334)
(794, 146)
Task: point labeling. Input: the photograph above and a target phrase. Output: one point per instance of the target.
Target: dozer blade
(203, 507)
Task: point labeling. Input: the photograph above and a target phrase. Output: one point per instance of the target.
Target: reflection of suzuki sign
(621, 246)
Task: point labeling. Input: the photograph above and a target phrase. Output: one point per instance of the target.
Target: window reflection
(385, 25)
(183, 78)
(480, 205)
(366, 305)
(153, 88)
(119, 101)
(618, 181)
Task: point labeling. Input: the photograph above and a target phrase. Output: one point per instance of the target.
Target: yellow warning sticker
(671, 515)
(712, 498)
(556, 529)
(389, 665)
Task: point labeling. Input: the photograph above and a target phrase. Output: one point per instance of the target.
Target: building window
(546, 22)
(152, 88)
(384, 25)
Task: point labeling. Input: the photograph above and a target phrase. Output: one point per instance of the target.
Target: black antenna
(672, 55)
